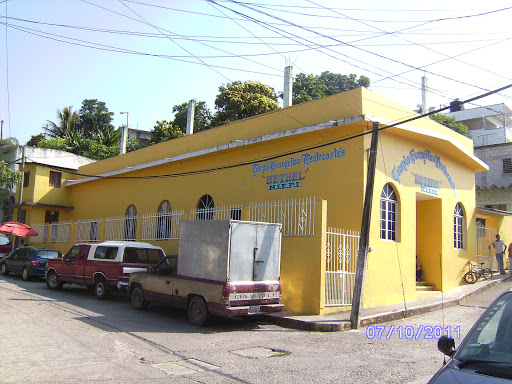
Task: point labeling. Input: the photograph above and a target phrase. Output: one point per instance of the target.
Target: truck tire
(197, 311)
(101, 288)
(138, 299)
(52, 281)
(5, 272)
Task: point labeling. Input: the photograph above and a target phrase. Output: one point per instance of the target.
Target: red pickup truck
(102, 267)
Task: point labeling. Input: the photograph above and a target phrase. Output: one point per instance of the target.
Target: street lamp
(124, 136)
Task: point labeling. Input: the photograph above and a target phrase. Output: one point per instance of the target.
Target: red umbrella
(18, 229)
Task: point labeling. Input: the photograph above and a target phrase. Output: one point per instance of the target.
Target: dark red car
(5, 245)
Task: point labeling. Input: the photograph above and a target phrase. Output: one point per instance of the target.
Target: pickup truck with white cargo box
(223, 267)
(102, 267)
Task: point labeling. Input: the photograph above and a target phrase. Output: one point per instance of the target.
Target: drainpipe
(190, 116)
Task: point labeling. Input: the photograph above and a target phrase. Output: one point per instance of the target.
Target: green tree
(449, 121)
(164, 131)
(202, 117)
(8, 176)
(67, 122)
(239, 100)
(94, 118)
(312, 87)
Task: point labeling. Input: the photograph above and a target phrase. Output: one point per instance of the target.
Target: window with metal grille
(458, 227)
(164, 220)
(507, 165)
(388, 212)
(55, 179)
(205, 208)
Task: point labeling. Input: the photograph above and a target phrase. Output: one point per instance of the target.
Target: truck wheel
(24, 274)
(197, 311)
(52, 281)
(101, 288)
(5, 272)
(138, 299)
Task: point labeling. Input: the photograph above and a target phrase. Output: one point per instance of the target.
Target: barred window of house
(507, 165)
(55, 179)
(388, 213)
(164, 220)
(458, 227)
(130, 229)
(205, 208)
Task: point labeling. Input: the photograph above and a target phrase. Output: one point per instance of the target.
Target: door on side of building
(485, 235)
(51, 217)
(429, 238)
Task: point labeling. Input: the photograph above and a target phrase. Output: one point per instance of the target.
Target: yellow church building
(304, 166)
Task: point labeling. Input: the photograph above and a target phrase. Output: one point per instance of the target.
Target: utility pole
(124, 136)
(20, 192)
(424, 94)
(190, 116)
(362, 253)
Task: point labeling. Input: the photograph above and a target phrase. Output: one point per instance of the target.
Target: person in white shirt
(499, 247)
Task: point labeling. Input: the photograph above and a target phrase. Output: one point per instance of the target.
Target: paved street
(70, 337)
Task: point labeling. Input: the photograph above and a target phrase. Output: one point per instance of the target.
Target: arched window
(130, 228)
(388, 213)
(205, 208)
(164, 220)
(458, 227)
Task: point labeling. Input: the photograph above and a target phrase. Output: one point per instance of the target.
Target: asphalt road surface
(68, 336)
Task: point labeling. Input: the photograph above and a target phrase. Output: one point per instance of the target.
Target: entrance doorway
(429, 238)
(51, 217)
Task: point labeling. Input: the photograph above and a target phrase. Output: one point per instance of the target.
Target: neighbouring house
(142, 137)
(490, 128)
(44, 197)
(304, 166)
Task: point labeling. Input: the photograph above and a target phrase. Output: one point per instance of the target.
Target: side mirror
(151, 269)
(446, 345)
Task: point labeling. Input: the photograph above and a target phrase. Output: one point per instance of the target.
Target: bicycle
(474, 273)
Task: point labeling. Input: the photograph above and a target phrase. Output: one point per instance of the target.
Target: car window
(142, 255)
(73, 253)
(108, 253)
(4, 240)
(48, 254)
(490, 339)
(16, 254)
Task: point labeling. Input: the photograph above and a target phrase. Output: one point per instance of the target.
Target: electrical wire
(283, 154)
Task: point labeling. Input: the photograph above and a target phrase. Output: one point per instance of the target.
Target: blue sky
(184, 49)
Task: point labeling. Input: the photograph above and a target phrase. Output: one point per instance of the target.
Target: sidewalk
(340, 321)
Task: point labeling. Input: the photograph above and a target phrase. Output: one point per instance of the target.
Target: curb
(330, 326)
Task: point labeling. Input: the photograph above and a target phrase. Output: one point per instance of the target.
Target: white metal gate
(340, 269)
(484, 250)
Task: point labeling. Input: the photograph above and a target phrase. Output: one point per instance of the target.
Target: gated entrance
(340, 269)
(484, 250)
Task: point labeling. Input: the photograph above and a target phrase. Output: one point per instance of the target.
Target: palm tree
(67, 123)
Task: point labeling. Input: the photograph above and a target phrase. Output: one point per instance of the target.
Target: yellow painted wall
(339, 182)
(391, 266)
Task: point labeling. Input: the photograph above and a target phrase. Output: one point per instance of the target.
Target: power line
(283, 154)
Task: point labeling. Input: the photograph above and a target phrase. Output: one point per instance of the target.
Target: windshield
(4, 240)
(48, 254)
(491, 338)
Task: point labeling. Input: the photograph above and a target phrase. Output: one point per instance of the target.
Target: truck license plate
(254, 309)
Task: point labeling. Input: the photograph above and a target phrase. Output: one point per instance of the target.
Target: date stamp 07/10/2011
(409, 332)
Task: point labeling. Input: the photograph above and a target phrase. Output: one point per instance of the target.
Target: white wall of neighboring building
(487, 125)
(54, 157)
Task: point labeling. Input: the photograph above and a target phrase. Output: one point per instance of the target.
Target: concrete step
(421, 286)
